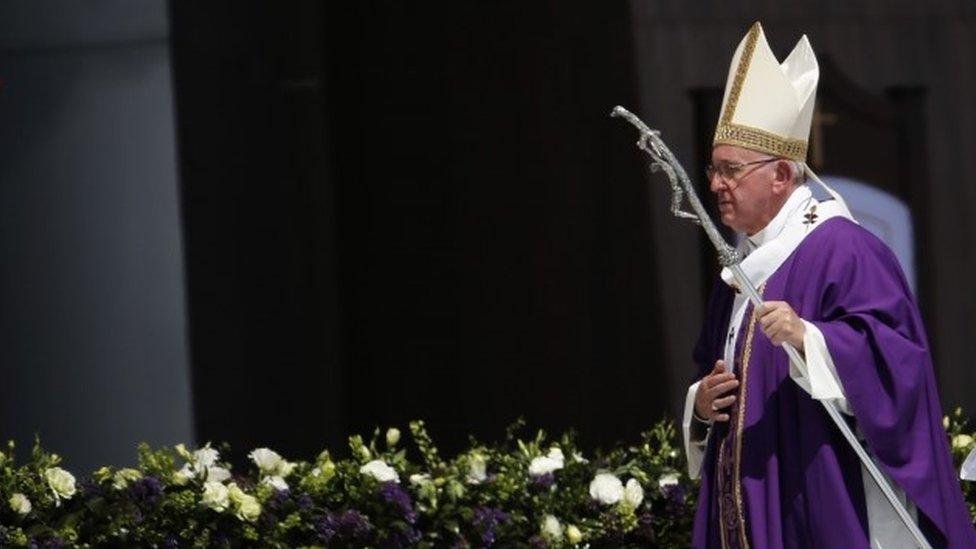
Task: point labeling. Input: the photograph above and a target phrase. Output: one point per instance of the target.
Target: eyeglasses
(728, 170)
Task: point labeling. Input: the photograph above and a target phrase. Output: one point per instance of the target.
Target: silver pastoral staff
(662, 159)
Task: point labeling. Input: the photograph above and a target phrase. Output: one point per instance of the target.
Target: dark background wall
(401, 211)
(314, 218)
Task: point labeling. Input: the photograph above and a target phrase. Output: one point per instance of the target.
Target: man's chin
(728, 220)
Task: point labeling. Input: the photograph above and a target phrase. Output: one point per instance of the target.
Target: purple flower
(305, 502)
(486, 520)
(326, 527)
(89, 488)
(393, 493)
(146, 491)
(354, 526)
(543, 481)
(675, 499)
(645, 527)
(278, 499)
(50, 543)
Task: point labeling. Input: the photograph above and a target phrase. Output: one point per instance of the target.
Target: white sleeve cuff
(820, 379)
(694, 449)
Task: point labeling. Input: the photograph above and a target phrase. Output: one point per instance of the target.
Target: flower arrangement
(534, 492)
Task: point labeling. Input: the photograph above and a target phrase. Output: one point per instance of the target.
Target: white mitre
(768, 105)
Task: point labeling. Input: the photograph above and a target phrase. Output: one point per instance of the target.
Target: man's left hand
(781, 324)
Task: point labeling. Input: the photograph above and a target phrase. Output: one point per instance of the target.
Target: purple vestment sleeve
(779, 474)
(877, 341)
(711, 339)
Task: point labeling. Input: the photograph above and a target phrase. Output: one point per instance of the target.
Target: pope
(775, 471)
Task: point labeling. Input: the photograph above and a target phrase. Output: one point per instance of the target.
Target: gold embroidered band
(761, 140)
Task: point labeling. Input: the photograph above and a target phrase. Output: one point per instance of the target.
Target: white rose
(541, 465)
(285, 468)
(20, 504)
(183, 452)
(123, 477)
(62, 483)
(248, 509)
(215, 496)
(961, 442)
(267, 460)
(548, 463)
(379, 470)
(670, 479)
(633, 493)
(392, 436)
(205, 457)
(573, 534)
(551, 528)
(606, 488)
(184, 475)
(217, 474)
(418, 479)
(234, 493)
(477, 469)
(276, 481)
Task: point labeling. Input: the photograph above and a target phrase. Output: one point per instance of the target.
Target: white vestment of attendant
(764, 253)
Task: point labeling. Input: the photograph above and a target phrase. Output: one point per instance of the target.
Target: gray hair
(799, 174)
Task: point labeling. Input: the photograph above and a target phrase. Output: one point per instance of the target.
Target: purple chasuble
(779, 473)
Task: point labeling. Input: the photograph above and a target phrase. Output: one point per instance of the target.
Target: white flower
(215, 496)
(205, 457)
(477, 469)
(578, 458)
(548, 463)
(248, 509)
(217, 474)
(418, 479)
(551, 528)
(670, 479)
(123, 477)
(573, 534)
(184, 475)
(633, 493)
(20, 504)
(276, 481)
(62, 483)
(392, 436)
(268, 461)
(285, 468)
(379, 470)
(962, 441)
(606, 488)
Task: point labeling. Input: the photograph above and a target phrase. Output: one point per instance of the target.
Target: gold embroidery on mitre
(761, 140)
(740, 74)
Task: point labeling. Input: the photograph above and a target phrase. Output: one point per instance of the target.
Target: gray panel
(93, 352)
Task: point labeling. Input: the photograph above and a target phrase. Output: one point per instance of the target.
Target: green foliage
(537, 491)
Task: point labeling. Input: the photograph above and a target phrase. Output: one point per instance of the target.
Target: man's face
(749, 200)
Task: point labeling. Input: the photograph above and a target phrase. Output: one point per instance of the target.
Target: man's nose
(716, 184)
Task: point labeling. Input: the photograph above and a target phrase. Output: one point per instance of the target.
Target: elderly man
(775, 471)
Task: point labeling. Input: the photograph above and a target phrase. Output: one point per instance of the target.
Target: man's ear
(783, 177)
